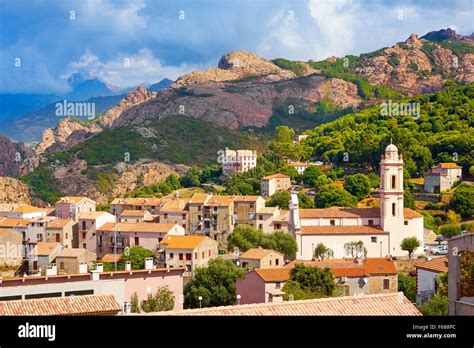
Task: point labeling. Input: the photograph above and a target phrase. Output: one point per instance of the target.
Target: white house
(427, 273)
(238, 161)
(380, 229)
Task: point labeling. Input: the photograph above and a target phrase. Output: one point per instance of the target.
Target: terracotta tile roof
(331, 230)
(299, 164)
(411, 214)
(276, 176)
(257, 253)
(71, 199)
(135, 213)
(57, 223)
(380, 265)
(284, 216)
(439, 264)
(387, 304)
(338, 212)
(138, 227)
(110, 258)
(183, 242)
(267, 210)
(13, 222)
(91, 215)
(43, 248)
(60, 306)
(449, 165)
(175, 206)
(27, 209)
(219, 201)
(350, 268)
(73, 252)
(199, 198)
(137, 201)
(8, 207)
(246, 198)
(270, 275)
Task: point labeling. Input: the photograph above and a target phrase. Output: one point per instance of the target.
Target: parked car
(439, 250)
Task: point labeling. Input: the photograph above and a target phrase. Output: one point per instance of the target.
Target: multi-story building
(187, 251)
(135, 216)
(61, 231)
(70, 207)
(89, 222)
(442, 177)
(42, 255)
(176, 212)
(113, 238)
(271, 219)
(261, 258)
(21, 227)
(273, 183)
(246, 208)
(11, 248)
(427, 273)
(69, 260)
(238, 161)
(118, 205)
(25, 211)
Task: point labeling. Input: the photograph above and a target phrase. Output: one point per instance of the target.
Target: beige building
(442, 177)
(261, 258)
(61, 231)
(273, 183)
(89, 222)
(176, 212)
(271, 219)
(70, 207)
(42, 255)
(187, 251)
(299, 166)
(246, 208)
(11, 248)
(135, 216)
(68, 260)
(238, 161)
(118, 205)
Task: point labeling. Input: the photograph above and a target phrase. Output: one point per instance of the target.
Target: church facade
(381, 230)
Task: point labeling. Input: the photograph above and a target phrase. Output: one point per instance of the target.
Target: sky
(130, 42)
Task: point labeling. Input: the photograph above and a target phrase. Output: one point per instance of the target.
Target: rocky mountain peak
(440, 35)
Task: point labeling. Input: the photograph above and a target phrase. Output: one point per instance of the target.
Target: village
(119, 259)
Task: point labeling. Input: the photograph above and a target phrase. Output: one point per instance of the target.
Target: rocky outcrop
(14, 191)
(138, 96)
(234, 66)
(12, 156)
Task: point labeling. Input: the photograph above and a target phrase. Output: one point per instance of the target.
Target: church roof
(337, 212)
(331, 230)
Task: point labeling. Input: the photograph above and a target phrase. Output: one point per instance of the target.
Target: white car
(439, 250)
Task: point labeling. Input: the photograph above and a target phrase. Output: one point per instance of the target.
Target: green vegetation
(136, 255)
(163, 300)
(407, 284)
(215, 284)
(44, 185)
(322, 252)
(463, 200)
(282, 199)
(410, 244)
(358, 185)
(308, 282)
(450, 230)
(437, 306)
(245, 237)
(393, 59)
(283, 63)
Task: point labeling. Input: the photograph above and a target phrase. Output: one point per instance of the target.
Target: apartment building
(11, 248)
(118, 205)
(274, 183)
(189, 252)
(238, 161)
(42, 255)
(261, 258)
(299, 166)
(25, 211)
(89, 222)
(271, 219)
(176, 212)
(61, 231)
(115, 237)
(70, 207)
(135, 216)
(69, 260)
(21, 227)
(246, 208)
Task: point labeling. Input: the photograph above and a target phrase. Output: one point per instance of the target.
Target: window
(199, 218)
(277, 285)
(184, 226)
(66, 236)
(405, 222)
(371, 222)
(180, 256)
(84, 245)
(183, 216)
(199, 208)
(277, 262)
(195, 256)
(83, 225)
(260, 217)
(277, 226)
(137, 241)
(188, 256)
(84, 235)
(394, 181)
(373, 239)
(332, 222)
(209, 254)
(202, 254)
(270, 262)
(260, 226)
(165, 215)
(61, 265)
(386, 284)
(251, 205)
(393, 209)
(215, 209)
(171, 255)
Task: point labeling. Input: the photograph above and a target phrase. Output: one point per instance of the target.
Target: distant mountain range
(24, 117)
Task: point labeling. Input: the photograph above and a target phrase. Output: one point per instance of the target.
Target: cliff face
(11, 156)
(14, 191)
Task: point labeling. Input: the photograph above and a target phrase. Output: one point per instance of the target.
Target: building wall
(11, 248)
(272, 288)
(270, 186)
(339, 221)
(355, 285)
(269, 261)
(376, 283)
(426, 280)
(91, 225)
(181, 218)
(71, 210)
(251, 288)
(65, 234)
(200, 255)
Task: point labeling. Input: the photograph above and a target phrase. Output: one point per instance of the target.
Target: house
(262, 285)
(238, 161)
(273, 183)
(271, 219)
(176, 212)
(26, 211)
(36, 229)
(381, 230)
(68, 260)
(89, 305)
(389, 304)
(89, 222)
(299, 166)
(246, 208)
(61, 231)
(135, 216)
(21, 227)
(427, 273)
(189, 252)
(460, 281)
(11, 248)
(121, 284)
(7, 208)
(70, 207)
(118, 205)
(261, 258)
(113, 238)
(42, 255)
(442, 177)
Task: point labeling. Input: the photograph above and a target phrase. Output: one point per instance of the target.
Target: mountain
(156, 87)
(12, 156)
(15, 104)
(85, 86)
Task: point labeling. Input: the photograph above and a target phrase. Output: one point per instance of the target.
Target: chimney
(128, 266)
(82, 267)
(95, 275)
(99, 267)
(51, 270)
(148, 263)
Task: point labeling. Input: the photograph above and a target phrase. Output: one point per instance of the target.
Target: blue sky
(128, 42)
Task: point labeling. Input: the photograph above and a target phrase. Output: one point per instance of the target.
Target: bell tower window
(393, 209)
(394, 181)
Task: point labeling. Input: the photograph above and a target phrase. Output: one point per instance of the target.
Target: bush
(407, 284)
(450, 230)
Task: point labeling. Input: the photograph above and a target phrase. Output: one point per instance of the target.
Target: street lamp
(238, 299)
(380, 248)
(200, 301)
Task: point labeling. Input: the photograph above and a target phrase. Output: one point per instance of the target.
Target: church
(381, 230)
